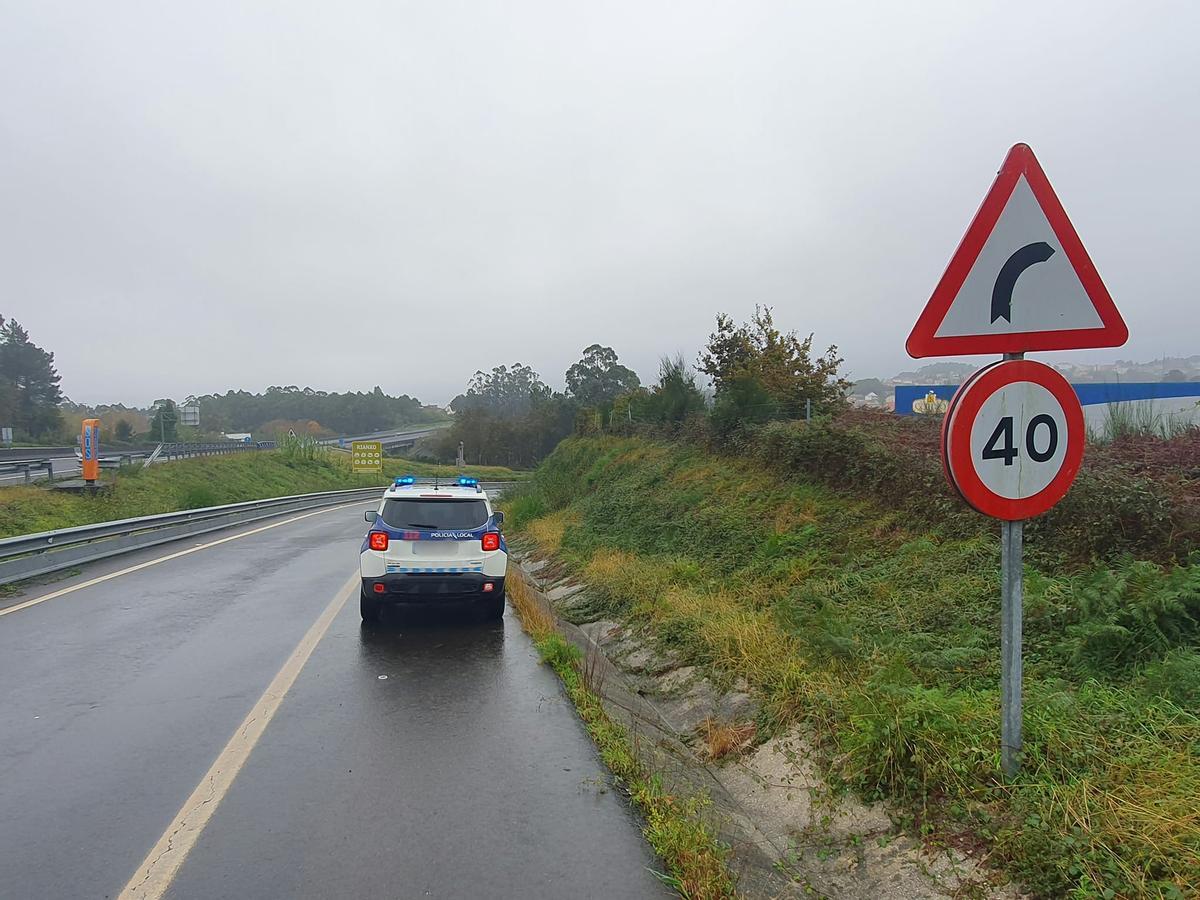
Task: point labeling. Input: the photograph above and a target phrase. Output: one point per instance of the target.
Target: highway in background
(432, 756)
(66, 465)
(393, 440)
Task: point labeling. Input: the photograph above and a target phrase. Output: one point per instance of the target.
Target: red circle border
(958, 439)
(946, 422)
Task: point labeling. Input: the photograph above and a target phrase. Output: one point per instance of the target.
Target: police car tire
(368, 607)
(492, 608)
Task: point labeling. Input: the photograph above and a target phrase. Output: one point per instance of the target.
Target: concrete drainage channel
(790, 834)
(32, 555)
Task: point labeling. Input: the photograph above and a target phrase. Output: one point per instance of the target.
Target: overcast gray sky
(196, 196)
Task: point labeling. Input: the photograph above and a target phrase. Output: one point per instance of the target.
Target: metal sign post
(1013, 435)
(1012, 600)
(1012, 536)
(1011, 446)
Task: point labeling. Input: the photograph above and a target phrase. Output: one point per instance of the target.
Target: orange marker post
(89, 443)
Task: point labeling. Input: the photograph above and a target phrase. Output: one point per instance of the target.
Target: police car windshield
(435, 515)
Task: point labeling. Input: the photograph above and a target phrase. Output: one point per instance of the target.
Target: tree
(757, 365)
(123, 431)
(29, 391)
(507, 417)
(745, 399)
(165, 424)
(303, 427)
(676, 395)
(503, 391)
(598, 379)
(348, 413)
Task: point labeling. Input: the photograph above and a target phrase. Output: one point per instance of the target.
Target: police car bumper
(433, 588)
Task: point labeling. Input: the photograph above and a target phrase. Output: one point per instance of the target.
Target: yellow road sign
(366, 457)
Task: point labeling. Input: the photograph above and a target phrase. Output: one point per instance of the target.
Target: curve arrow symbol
(1029, 255)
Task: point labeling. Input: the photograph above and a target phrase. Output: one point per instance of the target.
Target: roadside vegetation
(299, 466)
(693, 856)
(878, 631)
(828, 563)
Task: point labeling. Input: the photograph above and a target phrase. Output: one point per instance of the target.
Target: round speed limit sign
(1013, 439)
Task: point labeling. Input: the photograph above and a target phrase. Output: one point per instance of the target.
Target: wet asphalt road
(463, 773)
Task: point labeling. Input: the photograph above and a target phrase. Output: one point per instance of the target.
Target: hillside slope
(882, 639)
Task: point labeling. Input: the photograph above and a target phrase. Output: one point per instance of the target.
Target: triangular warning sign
(1020, 279)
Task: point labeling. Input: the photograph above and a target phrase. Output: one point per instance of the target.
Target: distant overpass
(393, 439)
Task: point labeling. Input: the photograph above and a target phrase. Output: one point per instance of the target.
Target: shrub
(1110, 511)
(1176, 677)
(1134, 614)
(905, 740)
(523, 505)
(301, 447)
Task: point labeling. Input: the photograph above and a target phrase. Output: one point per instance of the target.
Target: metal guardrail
(8, 454)
(27, 467)
(30, 555)
(180, 450)
(46, 464)
(117, 460)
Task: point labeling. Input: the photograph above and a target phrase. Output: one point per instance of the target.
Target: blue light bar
(406, 479)
(468, 482)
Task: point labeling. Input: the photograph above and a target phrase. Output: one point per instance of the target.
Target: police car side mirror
(499, 517)
(369, 516)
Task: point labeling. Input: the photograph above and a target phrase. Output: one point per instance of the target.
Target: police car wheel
(368, 607)
(492, 608)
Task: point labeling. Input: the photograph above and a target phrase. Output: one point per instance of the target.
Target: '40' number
(1001, 446)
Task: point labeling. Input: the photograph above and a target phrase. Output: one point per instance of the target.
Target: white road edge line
(154, 562)
(156, 872)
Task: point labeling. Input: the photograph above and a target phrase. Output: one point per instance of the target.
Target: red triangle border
(922, 342)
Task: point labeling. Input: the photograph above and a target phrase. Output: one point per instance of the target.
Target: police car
(433, 542)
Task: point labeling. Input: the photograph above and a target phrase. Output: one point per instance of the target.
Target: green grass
(399, 466)
(195, 483)
(883, 639)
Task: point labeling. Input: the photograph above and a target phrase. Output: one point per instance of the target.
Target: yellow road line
(154, 562)
(156, 872)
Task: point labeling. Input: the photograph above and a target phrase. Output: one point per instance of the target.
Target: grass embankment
(198, 482)
(396, 466)
(694, 858)
(883, 640)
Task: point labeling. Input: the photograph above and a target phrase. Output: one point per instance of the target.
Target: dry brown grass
(536, 619)
(548, 531)
(723, 738)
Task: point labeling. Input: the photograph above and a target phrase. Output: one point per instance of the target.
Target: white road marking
(154, 562)
(156, 872)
